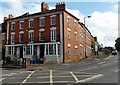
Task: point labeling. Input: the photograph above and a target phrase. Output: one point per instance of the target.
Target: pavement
(79, 72)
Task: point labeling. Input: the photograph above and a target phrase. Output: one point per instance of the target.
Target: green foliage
(8, 60)
(15, 61)
(117, 44)
(102, 56)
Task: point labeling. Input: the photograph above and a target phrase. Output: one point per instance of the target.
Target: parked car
(114, 53)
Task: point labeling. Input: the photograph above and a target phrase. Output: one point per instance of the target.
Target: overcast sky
(103, 22)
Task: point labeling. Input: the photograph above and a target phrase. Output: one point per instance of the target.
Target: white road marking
(117, 71)
(105, 64)
(27, 77)
(101, 62)
(51, 80)
(76, 79)
(88, 68)
(2, 79)
(91, 78)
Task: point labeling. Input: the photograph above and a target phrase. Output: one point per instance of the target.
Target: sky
(103, 22)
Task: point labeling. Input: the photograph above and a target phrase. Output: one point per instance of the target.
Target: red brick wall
(72, 42)
(36, 29)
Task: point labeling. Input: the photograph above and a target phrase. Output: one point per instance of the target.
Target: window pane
(21, 38)
(21, 25)
(31, 23)
(42, 35)
(42, 22)
(53, 20)
(51, 49)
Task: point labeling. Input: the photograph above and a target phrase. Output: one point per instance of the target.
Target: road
(86, 71)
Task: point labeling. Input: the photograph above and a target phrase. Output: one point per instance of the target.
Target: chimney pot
(44, 7)
(60, 5)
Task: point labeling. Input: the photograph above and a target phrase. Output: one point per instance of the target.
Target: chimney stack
(60, 5)
(44, 7)
(10, 16)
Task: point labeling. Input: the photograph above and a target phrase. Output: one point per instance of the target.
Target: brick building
(54, 35)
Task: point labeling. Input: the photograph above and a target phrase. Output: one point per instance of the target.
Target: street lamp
(85, 33)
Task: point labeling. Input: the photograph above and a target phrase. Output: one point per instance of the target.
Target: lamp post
(85, 32)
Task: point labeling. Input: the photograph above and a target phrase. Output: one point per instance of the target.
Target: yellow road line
(51, 80)
(76, 79)
(27, 77)
(91, 78)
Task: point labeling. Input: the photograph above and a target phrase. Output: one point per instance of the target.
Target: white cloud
(104, 25)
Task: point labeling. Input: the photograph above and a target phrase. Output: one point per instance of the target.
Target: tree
(117, 44)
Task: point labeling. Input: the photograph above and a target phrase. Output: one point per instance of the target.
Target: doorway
(41, 53)
(21, 52)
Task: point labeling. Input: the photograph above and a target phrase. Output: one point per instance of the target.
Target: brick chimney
(44, 7)
(60, 5)
(5, 18)
(10, 16)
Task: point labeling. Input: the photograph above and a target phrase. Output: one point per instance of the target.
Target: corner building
(54, 35)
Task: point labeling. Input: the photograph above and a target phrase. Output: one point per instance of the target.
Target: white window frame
(75, 36)
(68, 32)
(12, 26)
(41, 30)
(29, 35)
(12, 38)
(53, 34)
(76, 51)
(51, 20)
(29, 23)
(40, 24)
(68, 21)
(54, 49)
(21, 32)
(75, 24)
(20, 24)
(69, 49)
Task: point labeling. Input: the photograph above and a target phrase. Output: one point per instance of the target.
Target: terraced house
(51, 36)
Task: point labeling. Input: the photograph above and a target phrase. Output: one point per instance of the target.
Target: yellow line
(76, 79)
(27, 77)
(91, 78)
(51, 80)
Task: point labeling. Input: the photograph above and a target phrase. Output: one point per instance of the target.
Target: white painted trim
(75, 21)
(75, 32)
(68, 16)
(53, 28)
(12, 22)
(21, 32)
(69, 45)
(76, 47)
(7, 31)
(31, 31)
(41, 17)
(41, 29)
(22, 21)
(30, 19)
(12, 32)
(68, 29)
(33, 44)
(61, 37)
(53, 16)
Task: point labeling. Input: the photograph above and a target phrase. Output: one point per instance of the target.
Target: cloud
(104, 25)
